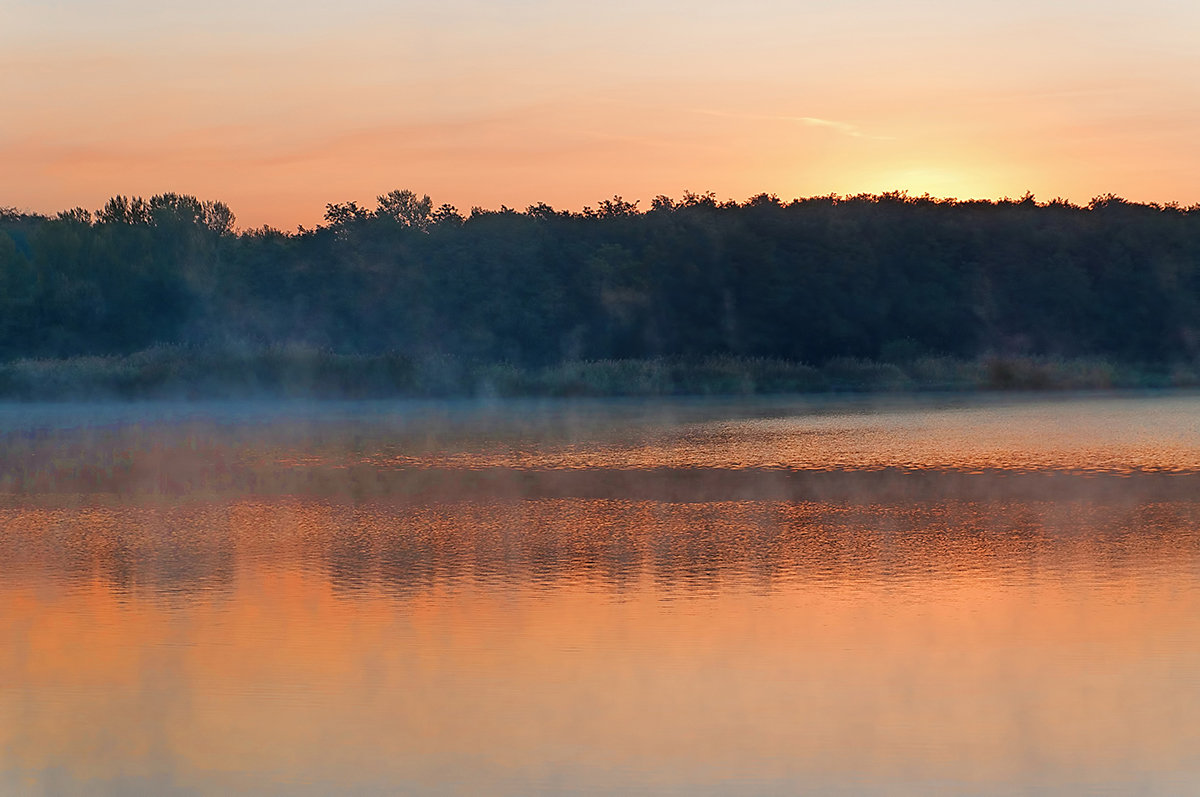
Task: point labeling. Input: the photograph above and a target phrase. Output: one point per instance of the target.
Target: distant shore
(302, 372)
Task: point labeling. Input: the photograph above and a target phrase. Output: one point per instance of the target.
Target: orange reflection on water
(535, 448)
(1095, 435)
(511, 646)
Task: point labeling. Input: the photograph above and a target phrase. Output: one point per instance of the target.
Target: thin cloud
(844, 128)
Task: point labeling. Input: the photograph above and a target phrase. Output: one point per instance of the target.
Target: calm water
(686, 597)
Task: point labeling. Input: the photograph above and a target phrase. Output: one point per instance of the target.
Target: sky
(279, 107)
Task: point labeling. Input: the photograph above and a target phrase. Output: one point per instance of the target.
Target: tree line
(884, 277)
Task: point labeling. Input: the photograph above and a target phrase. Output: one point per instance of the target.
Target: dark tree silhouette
(887, 277)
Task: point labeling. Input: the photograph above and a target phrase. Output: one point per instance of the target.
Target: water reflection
(197, 609)
(398, 548)
(390, 446)
(518, 646)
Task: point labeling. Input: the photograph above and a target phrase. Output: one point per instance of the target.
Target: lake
(935, 595)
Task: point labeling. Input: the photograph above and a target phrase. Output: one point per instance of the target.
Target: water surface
(701, 597)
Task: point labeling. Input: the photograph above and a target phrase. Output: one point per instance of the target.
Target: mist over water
(703, 597)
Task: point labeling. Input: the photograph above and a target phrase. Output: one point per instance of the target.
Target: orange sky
(277, 108)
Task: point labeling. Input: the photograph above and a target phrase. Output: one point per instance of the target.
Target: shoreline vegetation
(165, 297)
(298, 372)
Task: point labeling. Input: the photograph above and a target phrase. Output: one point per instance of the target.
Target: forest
(161, 294)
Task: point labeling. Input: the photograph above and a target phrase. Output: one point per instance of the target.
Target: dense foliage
(888, 277)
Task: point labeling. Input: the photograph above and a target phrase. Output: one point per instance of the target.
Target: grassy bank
(296, 372)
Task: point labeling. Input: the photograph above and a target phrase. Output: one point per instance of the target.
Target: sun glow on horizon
(938, 181)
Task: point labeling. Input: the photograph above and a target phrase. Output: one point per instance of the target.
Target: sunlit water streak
(691, 597)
